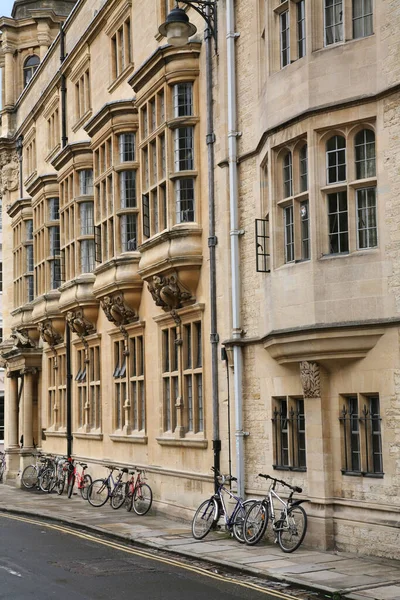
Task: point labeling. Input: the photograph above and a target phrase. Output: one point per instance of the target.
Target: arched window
(30, 66)
(336, 159)
(303, 160)
(287, 175)
(364, 147)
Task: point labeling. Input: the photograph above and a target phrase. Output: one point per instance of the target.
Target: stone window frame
(162, 193)
(360, 434)
(129, 374)
(47, 260)
(72, 242)
(318, 25)
(109, 212)
(293, 205)
(30, 156)
(56, 361)
(179, 433)
(290, 8)
(81, 81)
(289, 433)
(52, 116)
(119, 32)
(87, 377)
(350, 187)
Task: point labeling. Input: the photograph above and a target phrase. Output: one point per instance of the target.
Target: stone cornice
(70, 152)
(108, 113)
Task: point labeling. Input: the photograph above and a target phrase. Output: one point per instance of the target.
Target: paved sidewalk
(352, 576)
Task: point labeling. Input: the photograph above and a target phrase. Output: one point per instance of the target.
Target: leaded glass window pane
(366, 218)
(365, 154)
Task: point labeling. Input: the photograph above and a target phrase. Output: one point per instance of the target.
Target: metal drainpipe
(64, 142)
(231, 35)
(212, 242)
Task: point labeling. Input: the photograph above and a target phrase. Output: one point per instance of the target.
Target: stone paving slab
(359, 578)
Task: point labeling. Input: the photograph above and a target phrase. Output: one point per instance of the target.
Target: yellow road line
(148, 555)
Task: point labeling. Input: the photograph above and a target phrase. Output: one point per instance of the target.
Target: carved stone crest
(116, 310)
(21, 339)
(167, 292)
(79, 324)
(310, 379)
(48, 334)
(9, 172)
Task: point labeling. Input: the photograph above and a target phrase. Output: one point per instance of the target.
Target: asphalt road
(43, 560)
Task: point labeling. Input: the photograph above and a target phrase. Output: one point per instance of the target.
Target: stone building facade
(107, 279)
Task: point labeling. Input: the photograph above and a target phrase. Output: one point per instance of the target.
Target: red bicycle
(137, 493)
(82, 479)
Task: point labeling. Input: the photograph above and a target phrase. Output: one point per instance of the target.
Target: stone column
(9, 77)
(12, 421)
(27, 428)
(319, 452)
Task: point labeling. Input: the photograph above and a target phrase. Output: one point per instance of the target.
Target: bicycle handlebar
(293, 488)
(225, 478)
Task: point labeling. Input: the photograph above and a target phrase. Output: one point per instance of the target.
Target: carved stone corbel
(168, 292)
(51, 337)
(79, 324)
(117, 311)
(310, 379)
(21, 339)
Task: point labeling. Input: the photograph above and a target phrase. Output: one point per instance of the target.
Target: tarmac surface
(334, 573)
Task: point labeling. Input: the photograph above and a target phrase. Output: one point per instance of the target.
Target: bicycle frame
(228, 519)
(285, 505)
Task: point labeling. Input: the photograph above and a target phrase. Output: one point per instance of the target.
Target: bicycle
(53, 476)
(137, 493)
(210, 511)
(291, 526)
(82, 479)
(2, 465)
(31, 474)
(105, 489)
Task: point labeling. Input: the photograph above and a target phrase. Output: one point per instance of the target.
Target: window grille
(262, 245)
(184, 191)
(30, 67)
(289, 234)
(333, 21)
(365, 154)
(87, 256)
(86, 214)
(336, 159)
(128, 232)
(146, 215)
(54, 209)
(287, 176)
(305, 230)
(54, 235)
(128, 189)
(303, 159)
(29, 259)
(97, 243)
(362, 437)
(29, 230)
(338, 223)
(184, 149)
(86, 182)
(127, 147)
(363, 16)
(366, 218)
(288, 423)
(183, 100)
(301, 29)
(285, 38)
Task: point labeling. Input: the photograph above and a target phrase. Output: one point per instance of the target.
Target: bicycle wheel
(129, 489)
(205, 517)
(142, 499)
(240, 516)
(98, 493)
(71, 483)
(60, 484)
(118, 496)
(45, 480)
(29, 476)
(292, 530)
(255, 523)
(85, 485)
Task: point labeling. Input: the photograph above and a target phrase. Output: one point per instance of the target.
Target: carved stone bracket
(30, 371)
(168, 292)
(51, 337)
(9, 171)
(79, 324)
(117, 311)
(21, 339)
(310, 379)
